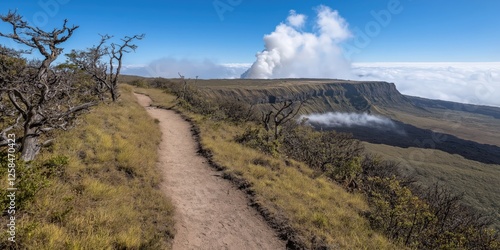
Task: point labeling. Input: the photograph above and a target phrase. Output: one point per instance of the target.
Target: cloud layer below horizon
(169, 67)
(474, 83)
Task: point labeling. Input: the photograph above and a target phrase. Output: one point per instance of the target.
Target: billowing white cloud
(338, 119)
(332, 25)
(291, 52)
(475, 83)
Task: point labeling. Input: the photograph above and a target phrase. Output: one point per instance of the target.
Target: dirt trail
(210, 212)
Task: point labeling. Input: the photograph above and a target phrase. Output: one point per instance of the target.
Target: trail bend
(210, 212)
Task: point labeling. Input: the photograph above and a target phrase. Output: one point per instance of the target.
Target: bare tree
(36, 96)
(90, 61)
(281, 114)
(104, 71)
(10, 66)
(116, 56)
(185, 87)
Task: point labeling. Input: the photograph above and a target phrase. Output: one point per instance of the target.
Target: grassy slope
(106, 197)
(312, 211)
(477, 181)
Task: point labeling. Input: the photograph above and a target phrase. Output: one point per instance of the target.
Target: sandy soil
(210, 212)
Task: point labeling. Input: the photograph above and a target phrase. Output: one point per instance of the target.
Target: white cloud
(332, 25)
(296, 20)
(338, 119)
(292, 53)
(475, 83)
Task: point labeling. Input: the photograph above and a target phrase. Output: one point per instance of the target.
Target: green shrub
(29, 180)
(260, 139)
(333, 154)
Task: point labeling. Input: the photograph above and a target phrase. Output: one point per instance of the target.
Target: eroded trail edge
(210, 212)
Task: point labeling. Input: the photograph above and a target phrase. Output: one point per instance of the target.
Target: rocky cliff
(321, 95)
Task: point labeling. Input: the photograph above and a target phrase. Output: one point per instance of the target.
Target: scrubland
(96, 187)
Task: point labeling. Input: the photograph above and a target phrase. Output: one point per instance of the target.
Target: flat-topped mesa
(321, 95)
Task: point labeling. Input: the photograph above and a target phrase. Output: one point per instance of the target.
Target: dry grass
(310, 210)
(106, 196)
(158, 96)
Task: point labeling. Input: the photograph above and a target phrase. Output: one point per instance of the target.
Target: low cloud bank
(474, 83)
(171, 67)
(338, 119)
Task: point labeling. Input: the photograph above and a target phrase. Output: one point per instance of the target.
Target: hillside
(95, 187)
(306, 209)
(478, 182)
(468, 133)
(464, 121)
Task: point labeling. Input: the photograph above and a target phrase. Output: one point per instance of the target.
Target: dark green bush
(260, 139)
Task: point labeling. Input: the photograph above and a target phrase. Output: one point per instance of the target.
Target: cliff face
(321, 95)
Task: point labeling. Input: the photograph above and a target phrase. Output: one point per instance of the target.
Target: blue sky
(459, 30)
(207, 38)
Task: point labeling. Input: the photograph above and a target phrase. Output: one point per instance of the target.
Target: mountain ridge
(321, 95)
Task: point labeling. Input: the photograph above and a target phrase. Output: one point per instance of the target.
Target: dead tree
(185, 87)
(115, 56)
(36, 96)
(90, 61)
(104, 62)
(281, 114)
(10, 66)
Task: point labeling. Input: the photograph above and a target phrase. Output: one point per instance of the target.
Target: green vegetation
(274, 170)
(96, 187)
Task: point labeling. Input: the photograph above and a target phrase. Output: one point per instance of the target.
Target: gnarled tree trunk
(31, 145)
